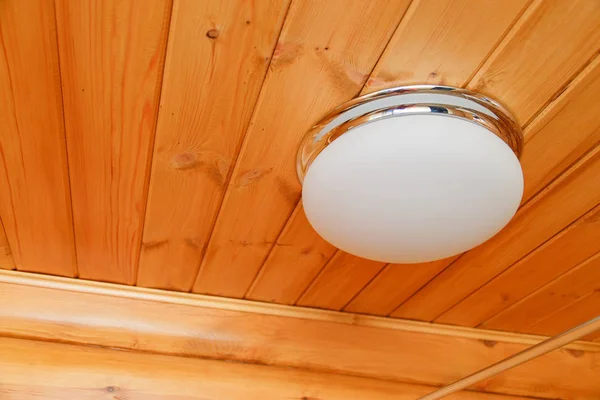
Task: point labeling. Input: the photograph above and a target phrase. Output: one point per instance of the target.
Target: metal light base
(442, 101)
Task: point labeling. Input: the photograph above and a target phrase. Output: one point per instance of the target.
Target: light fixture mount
(409, 100)
(412, 174)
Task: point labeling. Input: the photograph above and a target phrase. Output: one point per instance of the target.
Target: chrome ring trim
(500, 122)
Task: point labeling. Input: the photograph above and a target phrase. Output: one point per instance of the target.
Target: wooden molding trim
(255, 307)
(81, 312)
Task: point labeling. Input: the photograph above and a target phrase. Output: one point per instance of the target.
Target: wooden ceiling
(152, 143)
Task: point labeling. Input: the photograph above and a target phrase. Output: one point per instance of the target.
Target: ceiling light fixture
(412, 174)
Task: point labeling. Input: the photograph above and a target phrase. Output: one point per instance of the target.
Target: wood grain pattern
(568, 248)
(444, 41)
(533, 224)
(327, 63)
(216, 62)
(148, 320)
(32, 370)
(34, 203)
(112, 57)
(339, 281)
(296, 259)
(27, 286)
(573, 314)
(564, 290)
(394, 285)
(431, 31)
(568, 128)
(6, 260)
(535, 61)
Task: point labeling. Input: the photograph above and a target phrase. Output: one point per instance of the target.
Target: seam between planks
(150, 159)
(236, 157)
(65, 144)
(542, 288)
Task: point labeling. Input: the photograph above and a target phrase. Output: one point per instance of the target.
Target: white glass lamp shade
(412, 188)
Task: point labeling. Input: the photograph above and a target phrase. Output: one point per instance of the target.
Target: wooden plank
(431, 40)
(6, 259)
(562, 202)
(545, 50)
(32, 370)
(112, 57)
(564, 290)
(339, 281)
(298, 256)
(216, 62)
(55, 309)
(394, 285)
(568, 128)
(327, 63)
(568, 248)
(575, 313)
(35, 206)
(444, 41)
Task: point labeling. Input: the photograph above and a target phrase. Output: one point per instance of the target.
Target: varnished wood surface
(58, 309)
(298, 246)
(153, 144)
(549, 150)
(32, 370)
(35, 204)
(400, 280)
(112, 56)
(444, 41)
(568, 288)
(343, 276)
(584, 309)
(218, 56)
(528, 68)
